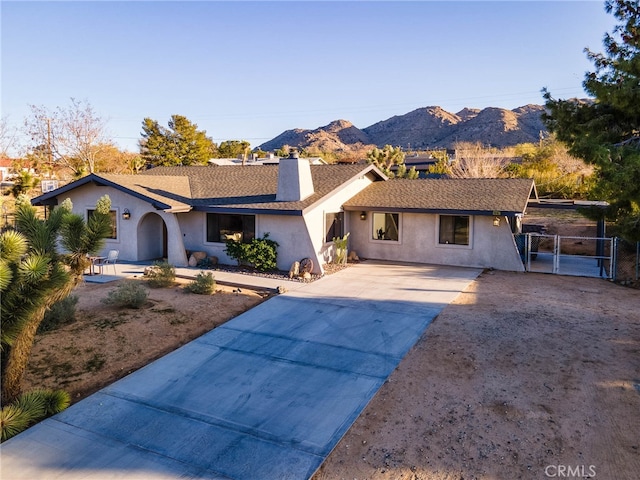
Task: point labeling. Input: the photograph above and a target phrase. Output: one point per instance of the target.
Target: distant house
(5, 168)
(167, 211)
(253, 159)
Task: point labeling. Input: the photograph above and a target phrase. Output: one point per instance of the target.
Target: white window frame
(385, 242)
(454, 245)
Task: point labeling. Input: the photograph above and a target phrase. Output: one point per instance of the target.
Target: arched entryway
(152, 238)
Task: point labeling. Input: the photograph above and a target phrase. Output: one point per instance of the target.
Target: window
(454, 230)
(222, 227)
(334, 224)
(114, 223)
(386, 226)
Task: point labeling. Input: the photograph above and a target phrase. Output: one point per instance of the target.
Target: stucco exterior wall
(289, 231)
(84, 198)
(315, 219)
(490, 246)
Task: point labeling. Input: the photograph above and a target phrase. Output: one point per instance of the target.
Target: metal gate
(564, 255)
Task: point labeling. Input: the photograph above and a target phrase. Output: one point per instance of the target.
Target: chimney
(294, 179)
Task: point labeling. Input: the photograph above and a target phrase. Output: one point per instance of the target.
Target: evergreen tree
(180, 144)
(605, 132)
(233, 148)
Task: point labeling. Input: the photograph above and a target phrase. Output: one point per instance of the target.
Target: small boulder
(353, 256)
(192, 261)
(294, 271)
(199, 256)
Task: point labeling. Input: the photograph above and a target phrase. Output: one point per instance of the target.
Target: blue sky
(250, 70)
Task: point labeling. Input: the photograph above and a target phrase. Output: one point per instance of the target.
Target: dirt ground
(105, 343)
(523, 376)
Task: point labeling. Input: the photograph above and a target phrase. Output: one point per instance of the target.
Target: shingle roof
(170, 192)
(469, 195)
(251, 188)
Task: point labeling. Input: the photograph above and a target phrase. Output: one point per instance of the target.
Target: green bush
(61, 312)
(130, 294)
(162, 274)
(260, 252)
(30, 408)
(204, 284)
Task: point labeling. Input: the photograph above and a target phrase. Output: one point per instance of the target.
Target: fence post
(614, 259)
(637, 261)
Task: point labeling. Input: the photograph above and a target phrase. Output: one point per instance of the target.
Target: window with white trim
(114, 223)
(454, 230)
(334, 226)
(222, 227)
(385, 226)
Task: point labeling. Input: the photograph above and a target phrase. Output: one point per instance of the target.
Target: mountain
(338, 136)
(423, 128)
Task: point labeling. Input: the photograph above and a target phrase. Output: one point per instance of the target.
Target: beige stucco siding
(490, 246)
(84, 198)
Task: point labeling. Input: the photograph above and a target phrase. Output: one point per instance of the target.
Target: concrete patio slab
(267, 395)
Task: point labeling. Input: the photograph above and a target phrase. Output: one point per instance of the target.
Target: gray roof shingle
(469, 195)
(250, 187)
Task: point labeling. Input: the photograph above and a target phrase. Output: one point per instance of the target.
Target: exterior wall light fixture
(363, 215)
(126, 215)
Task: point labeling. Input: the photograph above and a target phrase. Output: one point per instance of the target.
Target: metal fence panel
(627, 261)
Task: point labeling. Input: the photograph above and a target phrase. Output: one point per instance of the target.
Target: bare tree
(74, 136)
(8, 137)
(472, 160)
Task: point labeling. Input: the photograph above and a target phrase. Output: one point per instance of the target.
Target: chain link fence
(627, 262)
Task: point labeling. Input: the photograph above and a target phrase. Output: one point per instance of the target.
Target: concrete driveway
(265, 396)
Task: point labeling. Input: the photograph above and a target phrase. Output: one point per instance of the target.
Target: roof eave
(368, 169)
(50, 198)
(448, 211)
(249, 210)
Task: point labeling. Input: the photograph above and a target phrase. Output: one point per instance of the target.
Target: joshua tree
(33, 276)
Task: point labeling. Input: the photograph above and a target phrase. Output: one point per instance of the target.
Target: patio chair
(112, 258)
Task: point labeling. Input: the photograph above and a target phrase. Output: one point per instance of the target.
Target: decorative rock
(199, 256)
(213, 260)
(281, 289)
(192, 261)
(353, 256)
(306, 265)
(294, 271)
(306, 276)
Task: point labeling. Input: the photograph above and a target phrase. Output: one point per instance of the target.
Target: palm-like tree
(33, 276)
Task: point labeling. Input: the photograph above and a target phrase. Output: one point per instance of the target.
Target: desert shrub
(206, 262)
(130, 294)
(204, 284)
(162, 274)
(340, 246)
(262, 252)
(61, 312)
(30, 408)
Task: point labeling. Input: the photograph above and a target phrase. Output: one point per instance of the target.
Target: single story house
(167, 211)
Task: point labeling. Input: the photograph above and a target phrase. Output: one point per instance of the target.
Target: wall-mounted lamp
(363, 215)
(126, 215)
(496, 221)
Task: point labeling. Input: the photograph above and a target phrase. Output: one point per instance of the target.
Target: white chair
(112, 258)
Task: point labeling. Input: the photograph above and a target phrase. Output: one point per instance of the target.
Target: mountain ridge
(428, 127)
